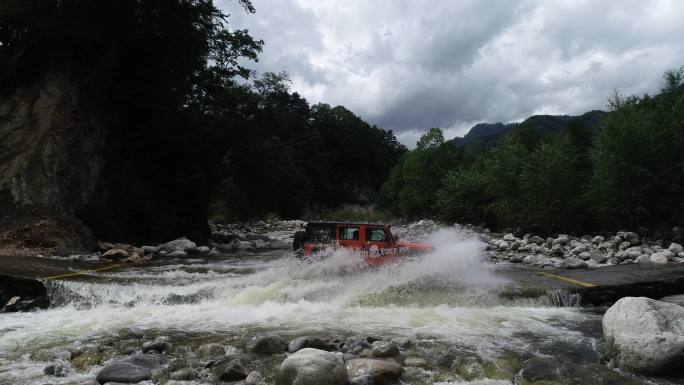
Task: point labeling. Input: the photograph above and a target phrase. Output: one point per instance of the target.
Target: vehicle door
(349, 236)
(378, 241)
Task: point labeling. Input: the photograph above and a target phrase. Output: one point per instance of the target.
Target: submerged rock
(211, 350)
(379, 372)
(386, 350)
(124, 372)
(253, 378)
(22, 294)
(267, 344)
(313, 367)
(644, 335)
(232, 371)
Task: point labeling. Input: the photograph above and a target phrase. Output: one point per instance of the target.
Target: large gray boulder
(644, 335)
(313, 367)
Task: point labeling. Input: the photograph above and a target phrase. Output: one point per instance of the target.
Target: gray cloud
(410, 65)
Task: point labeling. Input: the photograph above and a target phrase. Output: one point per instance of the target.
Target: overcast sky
(409, 65)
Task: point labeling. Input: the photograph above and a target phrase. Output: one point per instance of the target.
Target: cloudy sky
(408, 65)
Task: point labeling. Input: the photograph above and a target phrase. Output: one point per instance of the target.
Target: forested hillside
(139, 119)
(621, 169)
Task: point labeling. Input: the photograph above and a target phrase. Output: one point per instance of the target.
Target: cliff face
(50, 160)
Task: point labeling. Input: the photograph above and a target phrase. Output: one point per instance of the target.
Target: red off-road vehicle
(375, 243)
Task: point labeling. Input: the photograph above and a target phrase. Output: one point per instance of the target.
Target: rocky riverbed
(259, 315)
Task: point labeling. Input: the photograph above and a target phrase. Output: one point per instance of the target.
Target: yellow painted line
(566, 279)
(83, 272)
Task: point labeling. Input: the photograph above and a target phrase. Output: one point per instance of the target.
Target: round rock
(313, 367)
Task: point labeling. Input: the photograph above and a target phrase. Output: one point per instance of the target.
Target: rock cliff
(50, 159)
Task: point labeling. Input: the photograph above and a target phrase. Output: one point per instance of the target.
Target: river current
(449, 298)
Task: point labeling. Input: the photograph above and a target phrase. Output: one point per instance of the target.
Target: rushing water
(448, 298)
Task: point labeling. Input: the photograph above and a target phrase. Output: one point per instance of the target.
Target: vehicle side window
(349, 233)
(375, 235)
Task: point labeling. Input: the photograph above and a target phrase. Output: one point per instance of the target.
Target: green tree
(638, 160)
(552, 186)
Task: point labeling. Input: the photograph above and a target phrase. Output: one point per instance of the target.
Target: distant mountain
(486, 135)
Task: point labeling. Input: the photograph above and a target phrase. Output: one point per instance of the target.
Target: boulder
(181, 244)
(267, 344)
(661, 257)
(644, 335)
(598, 240)
(676, 248)
(203, 250)
(232, 371)
(158, 346)
(561, 240)
(182, 374)
(124, 372)
(598, 257)
(537, 240)
(22, 294)
(313, 367)
(642, 259)
(113, 254)
(386, 350)
(177, 254)
(253, 378)
(300, 343)
(211, 350)
(378, 371)
(573, 263)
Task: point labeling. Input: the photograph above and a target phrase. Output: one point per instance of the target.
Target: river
(447, 300)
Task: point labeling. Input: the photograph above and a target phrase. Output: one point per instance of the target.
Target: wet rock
(356, 344)
(573, 263)
(22, 294)
(150, 249)
(598, 257)
(253, 378)
(267, 344)
(211, 350)
(386, 350)
(181, 244)
(598, 240)
(182, 374)
(234, 370)
(203, 250)
(378, 371)
(115, 254)
(313, 367)
(177, 254)
(57, 369)
(644, 335)
(416, 362)
(402, 342)
(149, 361)
(158, 345)
(537, 240)
(642, 259)
(561, 240)
(307, 342)
(124, 372)
(468, 368)
(540, 371)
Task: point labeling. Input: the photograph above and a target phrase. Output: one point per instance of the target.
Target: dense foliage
(627, 171)
(187, 130)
